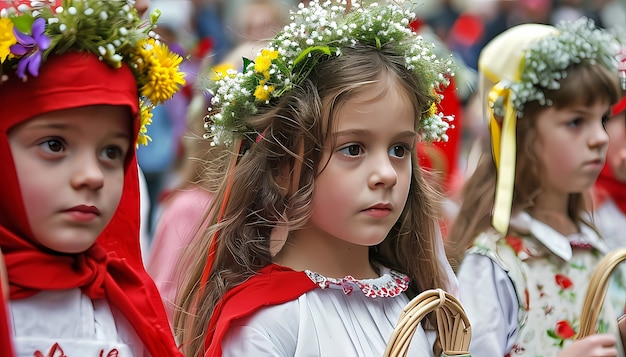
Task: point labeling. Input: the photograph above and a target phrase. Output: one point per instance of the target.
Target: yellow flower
(262, 92)
(145, 119)
(162, 78)
(432, 110)
(220, 71)
(7, 39)
(262, 64)
(272, 54)
(263, 61)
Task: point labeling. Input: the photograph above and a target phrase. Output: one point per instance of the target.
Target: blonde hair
(584, 84)
(293, 133)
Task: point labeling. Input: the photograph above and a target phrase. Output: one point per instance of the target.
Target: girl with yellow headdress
(523, 242)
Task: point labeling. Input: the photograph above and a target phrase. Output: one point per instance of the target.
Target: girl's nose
(87, 173)
(599, 138)
(383, 173)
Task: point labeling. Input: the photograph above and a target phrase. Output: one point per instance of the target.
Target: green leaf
(154, 16)
(246, 63)
(324, 49)
(24, 23)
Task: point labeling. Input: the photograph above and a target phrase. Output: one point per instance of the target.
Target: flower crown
(545, 62)
(110, 29)
(315, 34)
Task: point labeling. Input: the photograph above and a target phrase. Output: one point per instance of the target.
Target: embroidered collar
(390, 283)
(554, 241)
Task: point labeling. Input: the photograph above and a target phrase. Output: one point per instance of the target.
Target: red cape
(6, 343)
(273, 285)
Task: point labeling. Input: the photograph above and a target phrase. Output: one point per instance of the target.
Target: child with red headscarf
(609, 192)
(78, 84)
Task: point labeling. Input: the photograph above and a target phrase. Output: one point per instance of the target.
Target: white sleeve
(489, 299)
(270, 332)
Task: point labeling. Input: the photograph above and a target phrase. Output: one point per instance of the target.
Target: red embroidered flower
(112, 353)
(564, 330)
(516, 243)
(563, 281)
(55, 351)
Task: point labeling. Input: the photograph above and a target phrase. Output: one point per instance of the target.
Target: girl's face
(70, 167)
(571, 145)
(616, 153)
(365, 177)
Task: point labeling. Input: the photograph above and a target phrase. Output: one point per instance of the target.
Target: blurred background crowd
(213, 35)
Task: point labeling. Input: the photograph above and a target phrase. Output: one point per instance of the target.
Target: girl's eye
(113, 153)
(52, 145)
(351, 150)
(398, 151)
(576, 122)
(605, 119)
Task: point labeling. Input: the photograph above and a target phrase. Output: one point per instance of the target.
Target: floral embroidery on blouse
(550, 272)
(391, 283)
(57, 351)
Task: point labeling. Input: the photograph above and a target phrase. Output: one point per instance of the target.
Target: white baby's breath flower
(315, 31)
(546, 61)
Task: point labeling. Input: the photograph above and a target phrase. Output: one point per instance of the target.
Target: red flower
(563, 281)
(516, 243)
(564, 330)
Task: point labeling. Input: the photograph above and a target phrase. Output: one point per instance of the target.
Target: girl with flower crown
(323, 227)
(78, 84)
(523, 238)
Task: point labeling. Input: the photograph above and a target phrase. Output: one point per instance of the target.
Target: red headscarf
(607, 185)
(112, 268)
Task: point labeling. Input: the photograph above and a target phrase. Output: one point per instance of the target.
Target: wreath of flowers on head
(545, 62)
(316, 33)
(111, 29)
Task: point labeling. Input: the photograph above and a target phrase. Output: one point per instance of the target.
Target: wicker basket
(452, 323)
(596, 292)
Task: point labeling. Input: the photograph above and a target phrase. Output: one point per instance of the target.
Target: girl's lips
(379, 210)
(595, 164)
(83, 213)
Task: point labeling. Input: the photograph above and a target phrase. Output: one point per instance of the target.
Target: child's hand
(599, 345)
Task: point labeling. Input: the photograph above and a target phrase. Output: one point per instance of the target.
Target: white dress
(67, 323)
(345, 317)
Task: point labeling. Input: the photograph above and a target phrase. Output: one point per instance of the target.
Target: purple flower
(30, 47)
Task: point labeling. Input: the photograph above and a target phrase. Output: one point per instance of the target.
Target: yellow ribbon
(503, 138)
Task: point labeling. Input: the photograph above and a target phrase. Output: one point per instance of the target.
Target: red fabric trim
(618, 107)
(273, 285)
(6, 343)
(112, 268)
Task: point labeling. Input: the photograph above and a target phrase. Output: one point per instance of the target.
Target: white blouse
(68, 323)
(345, 317)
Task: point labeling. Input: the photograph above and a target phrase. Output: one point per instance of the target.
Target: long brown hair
(292, 133)
(586, 84)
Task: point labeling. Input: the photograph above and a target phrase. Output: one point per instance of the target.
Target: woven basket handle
(452, 323)
(594, 299)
